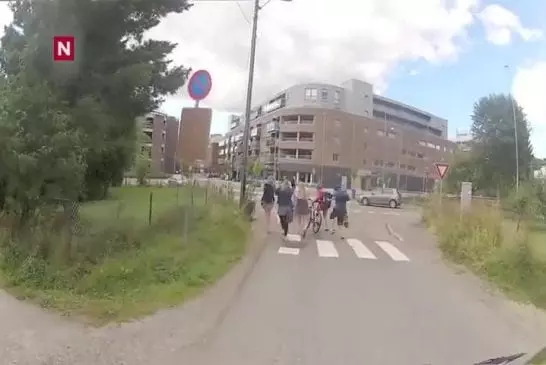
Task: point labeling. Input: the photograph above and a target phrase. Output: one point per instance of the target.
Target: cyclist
(324, 200)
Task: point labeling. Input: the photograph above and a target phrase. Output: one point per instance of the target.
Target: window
(378, 163)
(403, 166)
(311, 94)
(324, 94)
(365, 146)
(335, 157)
(337, 97)
(411, 168)
(420, 155)
(390, 164)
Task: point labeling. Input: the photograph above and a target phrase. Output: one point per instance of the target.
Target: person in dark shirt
(341, 197)
(293, 183)
(285, 206)
(268, 200)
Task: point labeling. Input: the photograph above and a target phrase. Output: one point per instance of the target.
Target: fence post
(185, 223)
(177, 193)
(150, 208)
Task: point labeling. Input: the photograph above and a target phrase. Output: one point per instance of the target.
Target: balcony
(295, 156)
(297, 127)
(295, 144)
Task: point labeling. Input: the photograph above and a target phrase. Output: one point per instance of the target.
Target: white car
(176, 180)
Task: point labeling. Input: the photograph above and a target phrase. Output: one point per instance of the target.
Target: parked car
(381, 197)
(176, 180)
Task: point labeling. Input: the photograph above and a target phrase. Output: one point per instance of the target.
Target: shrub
(121, 268)
(491, 245)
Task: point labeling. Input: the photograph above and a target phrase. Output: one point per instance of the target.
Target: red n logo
(64, 48)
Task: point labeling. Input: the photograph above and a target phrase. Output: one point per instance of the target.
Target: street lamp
(513, 100)
(246, 132)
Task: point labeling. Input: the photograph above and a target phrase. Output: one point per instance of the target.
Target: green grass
(134, 203)
(489, 244)
(153, 267)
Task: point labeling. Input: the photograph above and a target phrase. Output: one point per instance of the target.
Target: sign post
(199, 86)
(441, 168)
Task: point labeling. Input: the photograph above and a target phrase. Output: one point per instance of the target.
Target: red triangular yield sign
(442, 168)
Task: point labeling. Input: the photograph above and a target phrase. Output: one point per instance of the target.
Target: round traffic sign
(199, 85)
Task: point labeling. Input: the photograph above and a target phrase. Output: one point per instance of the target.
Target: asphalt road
(381, 296)
(376, 297)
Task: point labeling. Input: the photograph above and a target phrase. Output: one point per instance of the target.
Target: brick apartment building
(322, 132)
(213, 153)
(162, 140)
(193, 138)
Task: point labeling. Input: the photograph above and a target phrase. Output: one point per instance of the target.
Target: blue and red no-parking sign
(200, 85)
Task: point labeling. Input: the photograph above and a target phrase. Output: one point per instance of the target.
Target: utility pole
(248, 107)
(513, 100)
(516, 140)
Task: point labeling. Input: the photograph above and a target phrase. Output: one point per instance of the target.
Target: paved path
(368, 299)
(383, 295)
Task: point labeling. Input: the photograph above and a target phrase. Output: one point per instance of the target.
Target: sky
(438, 55)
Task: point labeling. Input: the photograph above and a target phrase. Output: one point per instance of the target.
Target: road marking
(326, 249)
(361, 251)
(390, 213)
(392, 251)
(356, 211)
(293, 237)
(371, 211)
(289, 251)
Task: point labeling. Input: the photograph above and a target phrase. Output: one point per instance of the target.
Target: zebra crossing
(329, 249)
(385, 212)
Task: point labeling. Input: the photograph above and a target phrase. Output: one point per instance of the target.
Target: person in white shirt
(301, 205)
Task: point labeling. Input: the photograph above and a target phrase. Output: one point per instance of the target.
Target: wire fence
(131, 216)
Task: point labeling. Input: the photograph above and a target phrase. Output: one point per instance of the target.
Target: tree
(142, 159)
(39, 162)
(118, 75)
(256, 168)
(493, 144)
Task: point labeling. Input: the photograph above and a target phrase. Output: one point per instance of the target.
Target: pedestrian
(285, 206)
(293, 183)
(339, 213)
(324, 200)
(301, 205)
(268, 201)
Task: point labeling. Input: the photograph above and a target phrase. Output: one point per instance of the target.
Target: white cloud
(318, 40)
(529, 88)
(501, 24)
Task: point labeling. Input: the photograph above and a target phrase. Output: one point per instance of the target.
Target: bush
(124, 267)
(492, 246)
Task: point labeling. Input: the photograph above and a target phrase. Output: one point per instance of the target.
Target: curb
(229, 287)
(393, 233)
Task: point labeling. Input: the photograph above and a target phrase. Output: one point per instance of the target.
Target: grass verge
(121, 267)
(489, 244)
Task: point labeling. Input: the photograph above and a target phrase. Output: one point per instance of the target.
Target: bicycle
(315, 217)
